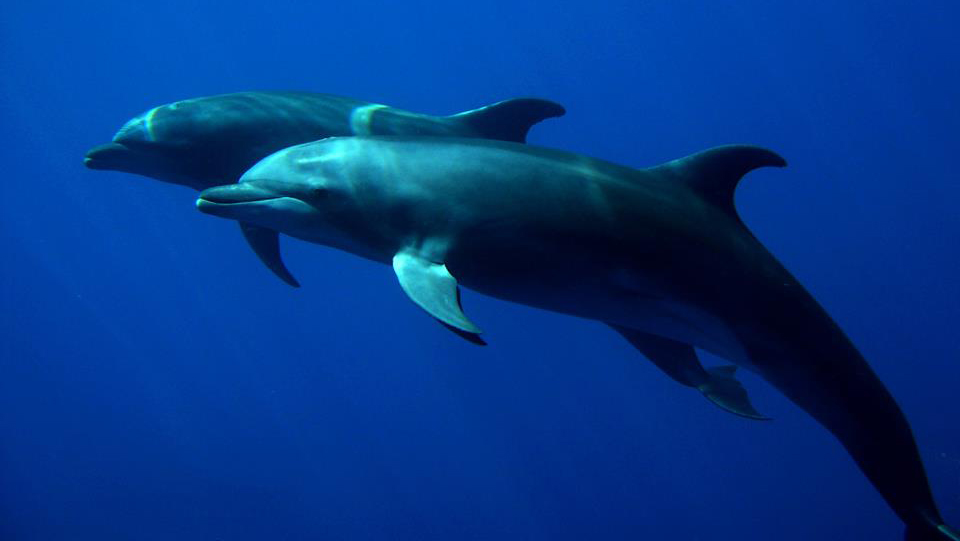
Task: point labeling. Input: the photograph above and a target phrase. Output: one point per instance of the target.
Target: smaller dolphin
(209, 141)
(658, 254)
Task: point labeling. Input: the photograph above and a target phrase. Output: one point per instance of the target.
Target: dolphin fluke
(939, 532)
(266, 244)
(509, 120)
(951, 533)
(727, 392)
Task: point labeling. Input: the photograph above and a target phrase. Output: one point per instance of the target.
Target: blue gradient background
(157, 383)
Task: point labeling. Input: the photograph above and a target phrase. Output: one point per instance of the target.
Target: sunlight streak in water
(148, 124)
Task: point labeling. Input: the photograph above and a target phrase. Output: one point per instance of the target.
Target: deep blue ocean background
(156, 382)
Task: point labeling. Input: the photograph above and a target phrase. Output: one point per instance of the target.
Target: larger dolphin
(658, 254)
(209, 141)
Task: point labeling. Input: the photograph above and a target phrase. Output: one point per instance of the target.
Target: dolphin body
(209, 141)
(658, 254)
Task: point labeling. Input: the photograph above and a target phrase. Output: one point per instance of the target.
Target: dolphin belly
(592, 287)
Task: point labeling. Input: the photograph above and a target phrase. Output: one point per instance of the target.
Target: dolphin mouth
(234, 210)
(236, 194)
(241, 200)
(106, 157)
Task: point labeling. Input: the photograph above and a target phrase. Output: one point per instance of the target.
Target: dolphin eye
(320, 192)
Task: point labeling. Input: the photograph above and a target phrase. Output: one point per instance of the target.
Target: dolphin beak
(106, 157)
(232, 194)
(258, 203)
(234, 200)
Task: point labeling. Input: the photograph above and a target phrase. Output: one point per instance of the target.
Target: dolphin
(209, 141)
(658, 254)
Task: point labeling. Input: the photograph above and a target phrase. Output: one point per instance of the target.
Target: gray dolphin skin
(209, 141)
(658, 254)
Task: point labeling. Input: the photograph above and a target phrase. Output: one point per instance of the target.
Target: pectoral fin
(432, 288)
(680, 362)
(266, 244)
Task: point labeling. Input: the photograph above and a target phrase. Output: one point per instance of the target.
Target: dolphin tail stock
(830, 380)
(509, 120)
(266, 244)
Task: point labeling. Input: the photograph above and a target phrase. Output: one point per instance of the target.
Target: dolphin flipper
(266, 244)
(432, 288)
(680, 362)
(509, 120)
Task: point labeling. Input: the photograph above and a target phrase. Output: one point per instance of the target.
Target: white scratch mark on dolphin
(361, 116)
(319, 159)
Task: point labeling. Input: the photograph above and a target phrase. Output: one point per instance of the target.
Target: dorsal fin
(509, 120)
(715, 172)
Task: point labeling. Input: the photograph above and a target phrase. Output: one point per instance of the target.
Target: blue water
(157, 383)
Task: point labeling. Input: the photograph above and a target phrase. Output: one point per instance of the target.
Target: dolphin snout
(106, 156)
(251, 203)
(232, 194)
